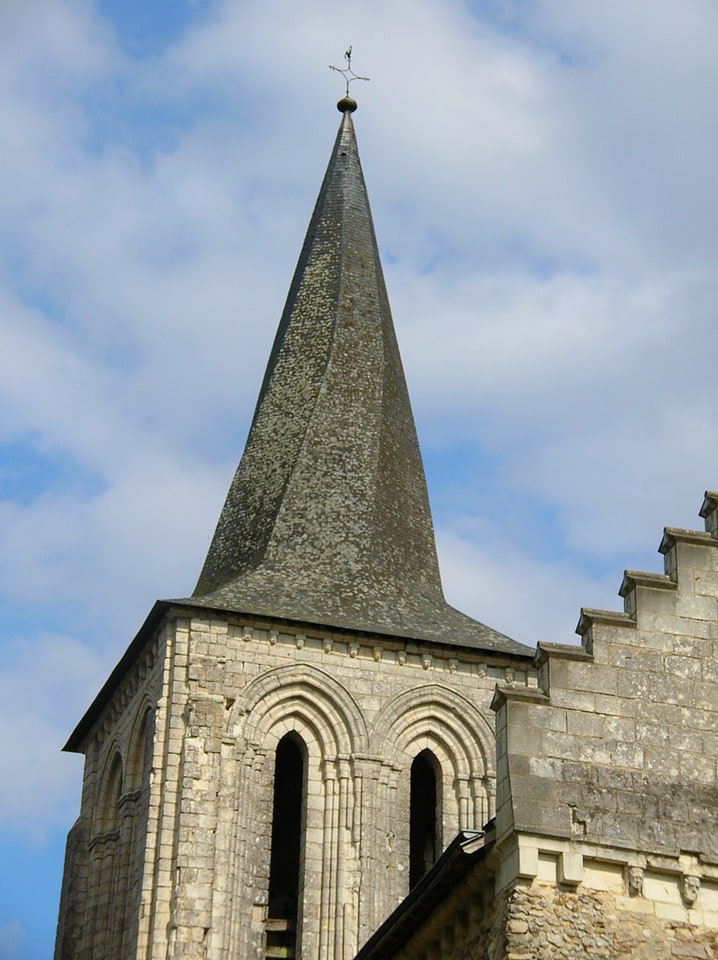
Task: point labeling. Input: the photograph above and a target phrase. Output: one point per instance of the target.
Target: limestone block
(561, 746)
(570, 867)
(526, 740)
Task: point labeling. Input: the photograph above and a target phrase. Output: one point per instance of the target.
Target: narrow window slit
(424, 830)
(285, 863)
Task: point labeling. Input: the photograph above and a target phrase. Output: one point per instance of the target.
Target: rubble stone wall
(543, 922)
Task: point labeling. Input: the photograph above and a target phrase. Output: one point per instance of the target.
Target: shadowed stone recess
(327, 519)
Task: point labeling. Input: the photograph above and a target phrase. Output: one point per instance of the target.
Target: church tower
(277, 759)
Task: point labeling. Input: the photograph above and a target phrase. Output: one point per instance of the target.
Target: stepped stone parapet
(605, 842)
(709, 512)
(615, 760)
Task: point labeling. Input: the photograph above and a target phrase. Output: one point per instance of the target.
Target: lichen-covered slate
(327, 519)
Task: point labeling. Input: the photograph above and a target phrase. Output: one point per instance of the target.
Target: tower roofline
(162, 609)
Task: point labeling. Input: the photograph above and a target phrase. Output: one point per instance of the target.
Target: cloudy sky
(543, 182)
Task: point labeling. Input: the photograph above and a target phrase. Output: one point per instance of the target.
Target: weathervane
(347, 72)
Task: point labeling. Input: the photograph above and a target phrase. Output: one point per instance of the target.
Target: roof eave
(162, 607)
(78, 736)
(522, 652)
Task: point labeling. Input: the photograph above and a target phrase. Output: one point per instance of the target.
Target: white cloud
(43, 680)
(542, 178)
(527, 598)
(11, 935)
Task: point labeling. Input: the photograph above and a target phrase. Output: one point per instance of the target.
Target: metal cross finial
(347, 72)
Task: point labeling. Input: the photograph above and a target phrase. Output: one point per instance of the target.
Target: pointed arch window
(424, 816)
(109, 818)
(285, 871)
(105, 858)
(140, 755)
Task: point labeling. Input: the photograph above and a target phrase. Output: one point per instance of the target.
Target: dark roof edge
(154, 617)
(465, 850)
(522, 653)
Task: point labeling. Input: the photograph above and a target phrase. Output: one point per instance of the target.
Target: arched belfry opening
(424, 816)
(285, 871)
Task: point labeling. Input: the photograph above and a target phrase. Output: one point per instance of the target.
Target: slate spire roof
(327, 518)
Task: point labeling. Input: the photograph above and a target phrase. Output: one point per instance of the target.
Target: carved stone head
(691, 888)
(635, 881)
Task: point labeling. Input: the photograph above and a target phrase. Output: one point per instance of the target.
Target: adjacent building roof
(465, 852)
(327, 519)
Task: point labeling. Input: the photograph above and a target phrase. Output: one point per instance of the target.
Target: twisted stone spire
(327, 519)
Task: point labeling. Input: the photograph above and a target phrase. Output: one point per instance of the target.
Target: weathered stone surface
(199, 836)
(319, 612)
(542, 922)
(646, 774)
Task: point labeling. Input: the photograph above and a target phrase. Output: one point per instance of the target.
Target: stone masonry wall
(468, 925)
(170, 856)
(100, 905)
(607, 797)
(364, 708)
(607, 774)
(539, 920)
(543, 922)
(620, 743)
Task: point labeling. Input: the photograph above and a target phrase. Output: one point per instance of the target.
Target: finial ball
(346, 105)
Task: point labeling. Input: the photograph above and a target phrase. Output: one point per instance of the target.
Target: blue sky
(542, 176)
